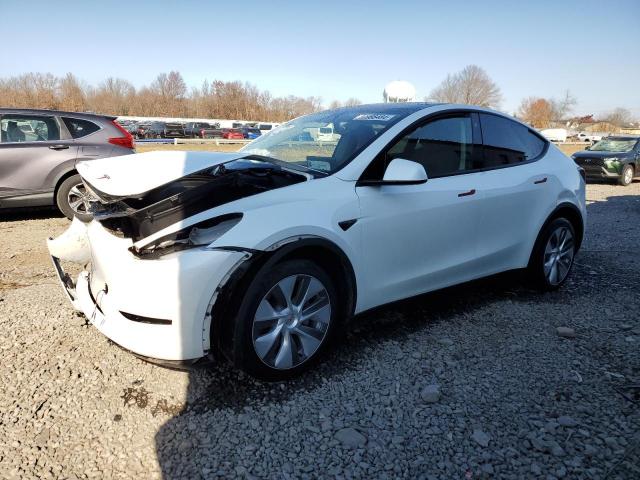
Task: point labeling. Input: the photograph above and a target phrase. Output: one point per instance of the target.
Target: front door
(418, 238)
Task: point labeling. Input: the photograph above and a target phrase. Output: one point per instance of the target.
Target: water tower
(399, 91)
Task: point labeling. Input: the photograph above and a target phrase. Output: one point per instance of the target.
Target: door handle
(542, 180)
(59, 147)
(466, 194)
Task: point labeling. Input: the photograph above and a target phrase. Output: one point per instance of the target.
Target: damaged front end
(149, 291)
(139, 216)
(72, 246)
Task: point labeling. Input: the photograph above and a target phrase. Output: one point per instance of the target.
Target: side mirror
(404, 172)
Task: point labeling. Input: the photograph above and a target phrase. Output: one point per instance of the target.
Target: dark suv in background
(614, 157)
(39, 150)
(165, 130)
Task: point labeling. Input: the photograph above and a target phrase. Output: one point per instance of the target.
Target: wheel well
(572, 214)
(70, 173)
(323, 252)
(336, 264)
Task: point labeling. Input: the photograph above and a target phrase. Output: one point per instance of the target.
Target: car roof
(40, 111)
(405, 107)
(623, 137)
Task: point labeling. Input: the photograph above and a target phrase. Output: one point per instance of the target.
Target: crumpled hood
(133, 175)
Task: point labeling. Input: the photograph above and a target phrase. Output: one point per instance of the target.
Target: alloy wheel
(628, 175)
(79, 198)
(558, 255)
(291, 321)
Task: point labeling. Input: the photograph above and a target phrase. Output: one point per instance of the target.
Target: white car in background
(590, 137)
(263, 254)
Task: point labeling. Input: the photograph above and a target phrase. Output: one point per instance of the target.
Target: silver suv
(39, 150)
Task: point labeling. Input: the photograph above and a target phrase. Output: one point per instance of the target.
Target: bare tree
(619, 117)
(166, 96)
(563, 106)
(471, 86)
(171, 90)
(537, 112)
(352, 102)
(114, 96)
(72, 94)
(30, 90)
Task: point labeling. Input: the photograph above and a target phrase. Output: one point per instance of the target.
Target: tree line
(167, 96)
(473, 86)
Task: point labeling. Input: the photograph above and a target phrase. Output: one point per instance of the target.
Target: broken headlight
(200, 234)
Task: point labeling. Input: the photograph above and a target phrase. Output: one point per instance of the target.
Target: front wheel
(553, 254)
(627, 176)
(285, 321)
(73, 199)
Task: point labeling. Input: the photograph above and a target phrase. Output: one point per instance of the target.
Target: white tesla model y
(262, 254)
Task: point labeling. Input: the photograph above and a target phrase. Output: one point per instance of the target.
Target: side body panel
(25, 167)
(515, 202)
(417, 238)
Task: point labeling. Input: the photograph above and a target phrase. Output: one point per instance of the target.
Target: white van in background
(325, 134)
(555, 134)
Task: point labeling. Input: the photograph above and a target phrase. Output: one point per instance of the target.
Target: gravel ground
(476, 381)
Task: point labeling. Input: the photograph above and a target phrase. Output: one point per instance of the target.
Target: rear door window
(507, 142)
(79, 128)
(28, 128)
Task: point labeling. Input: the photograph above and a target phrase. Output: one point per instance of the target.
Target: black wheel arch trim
(555, 214)
(61, 177)
(229, 295)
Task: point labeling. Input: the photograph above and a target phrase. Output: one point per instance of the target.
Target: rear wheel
(627, 176)
(552, 256)
(285, 321)
(73, 198)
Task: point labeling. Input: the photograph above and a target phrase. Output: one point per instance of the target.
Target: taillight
(202, 132)
(125, 141)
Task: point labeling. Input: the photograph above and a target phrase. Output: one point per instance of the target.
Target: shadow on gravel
(21, 214)
(223, 388)
(220, 391)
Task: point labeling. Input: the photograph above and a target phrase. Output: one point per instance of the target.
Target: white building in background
(399, 91)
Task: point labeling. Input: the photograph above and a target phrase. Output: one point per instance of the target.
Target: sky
(338, 49)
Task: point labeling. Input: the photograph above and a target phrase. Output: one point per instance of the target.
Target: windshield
(326, 141)
(614, 145)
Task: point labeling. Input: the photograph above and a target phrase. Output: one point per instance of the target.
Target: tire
(553, 254)
(70, 191)
(626, 176)
(286, 345)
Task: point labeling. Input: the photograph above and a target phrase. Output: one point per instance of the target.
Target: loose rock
(481, 438)
(351, 438)
(430, 393)
(566, 332)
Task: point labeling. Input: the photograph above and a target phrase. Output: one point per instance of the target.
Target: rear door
(32, 146)
(89, 138)
(516, 191)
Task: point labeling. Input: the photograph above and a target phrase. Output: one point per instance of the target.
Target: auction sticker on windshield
(381, 117)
